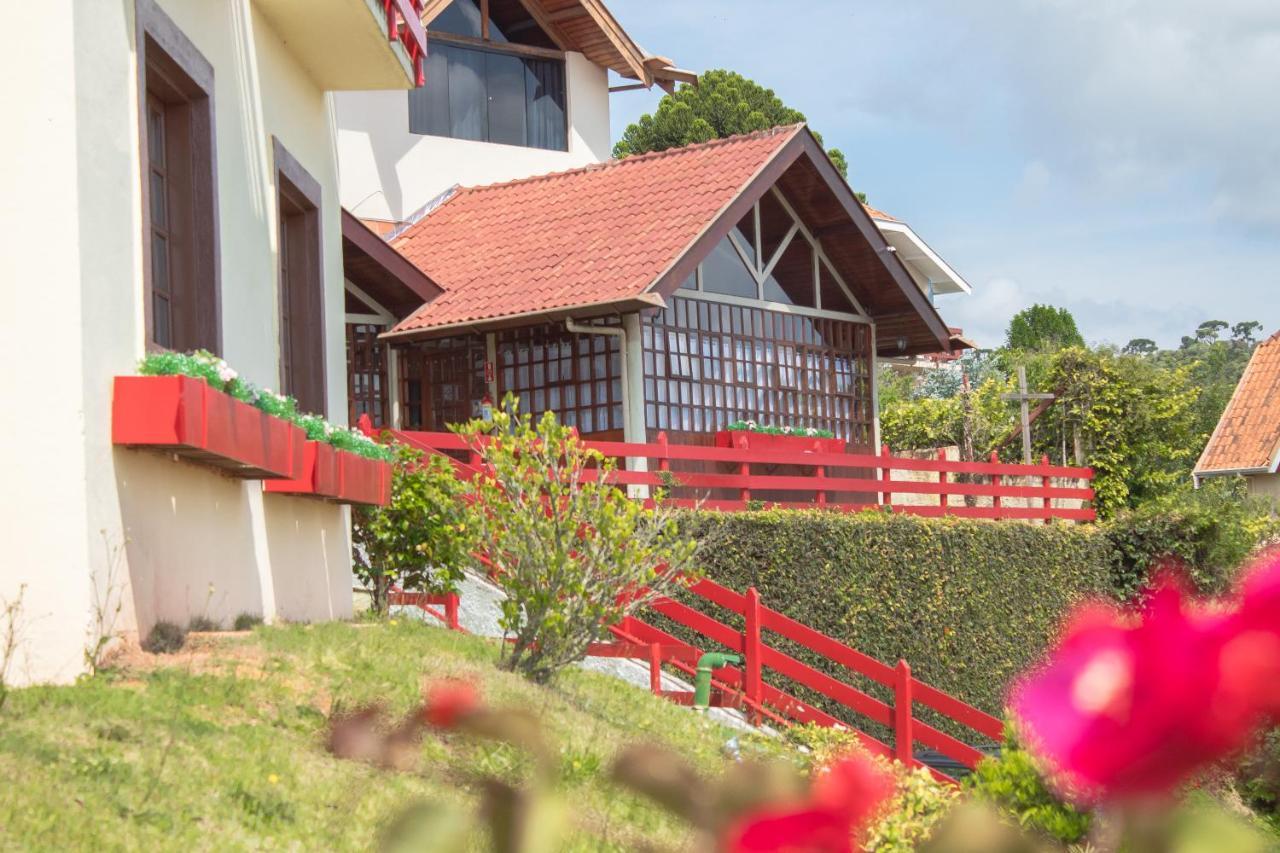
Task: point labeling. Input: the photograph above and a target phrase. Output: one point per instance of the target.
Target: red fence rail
(747, 686)
(738, 478)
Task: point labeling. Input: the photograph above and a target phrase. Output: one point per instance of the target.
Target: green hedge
(969, 604)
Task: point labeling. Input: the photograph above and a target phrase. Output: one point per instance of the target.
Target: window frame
(172, 72)
(299, 226)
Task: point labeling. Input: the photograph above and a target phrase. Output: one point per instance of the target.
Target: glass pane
(159, 201)
(745, 234)
(429, 104)
(505, 78)
(724, 272)
(509, 20)
(161, 328)
(791, 281)
(155, 136)
(775, 222)
(461, 17)
(468, 105)
(159, 264)
(545, 97)
(690, 283)
(833, 295)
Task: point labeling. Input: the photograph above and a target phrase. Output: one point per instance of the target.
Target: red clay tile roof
(599, 234)
(1248, 436)
(880, 214)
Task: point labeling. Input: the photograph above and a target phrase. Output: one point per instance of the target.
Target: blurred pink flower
(1130, 705)
(843, 798)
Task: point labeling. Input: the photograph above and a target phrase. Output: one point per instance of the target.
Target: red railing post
(744, 469)
(944, 480)
(902, 734)
(886, 497)
(451, 611)
(820, 473)
(996, 481)
(1046, 482)
(655, 668)
(752, 647)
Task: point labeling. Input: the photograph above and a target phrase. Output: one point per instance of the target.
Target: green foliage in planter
(1209, 532)
(420, 539)
(204, 365)
(1015, 784)
(969, 604)
(804, 432)
(165, 639)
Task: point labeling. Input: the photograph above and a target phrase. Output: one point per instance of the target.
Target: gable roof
(1247, 438)
(621, 235)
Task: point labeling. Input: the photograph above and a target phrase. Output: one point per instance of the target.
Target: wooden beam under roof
(543, 20)
(431, 10)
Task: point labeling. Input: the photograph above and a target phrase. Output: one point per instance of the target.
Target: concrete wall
(85, 520)
(1266, 486)
(388, 172)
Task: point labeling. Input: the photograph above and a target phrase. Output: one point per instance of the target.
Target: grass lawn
(221, 746)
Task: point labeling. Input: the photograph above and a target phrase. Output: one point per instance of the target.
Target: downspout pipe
(707, 664)
(633, 429)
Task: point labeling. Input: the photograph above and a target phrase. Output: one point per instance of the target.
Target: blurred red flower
(843, 798)
(1135, 704)
(448, 702)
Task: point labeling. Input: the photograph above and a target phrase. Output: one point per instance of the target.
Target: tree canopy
(724, 103)
(1043, 328)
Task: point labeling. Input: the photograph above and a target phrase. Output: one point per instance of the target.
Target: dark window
(791, 281)
(180, 231)
(367, 375)
(491, 96)
(833, 296)
(443, 382)
(579, 377)
(724, 272)
(708, 364)
(302, 373)
(509, 22)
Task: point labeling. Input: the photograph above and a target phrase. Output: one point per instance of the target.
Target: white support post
(393, 387)
(633, 426)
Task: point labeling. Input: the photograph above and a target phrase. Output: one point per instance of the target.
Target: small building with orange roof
(1246, 441)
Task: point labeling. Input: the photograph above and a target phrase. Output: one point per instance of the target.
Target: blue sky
(1118, 158)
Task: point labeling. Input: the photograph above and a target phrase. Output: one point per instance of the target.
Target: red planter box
(184, 416)
(338, 475)
(781, 443)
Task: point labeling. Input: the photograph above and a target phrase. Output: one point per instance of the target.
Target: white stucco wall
(75, 509)
(1267, 486)
(388, 172)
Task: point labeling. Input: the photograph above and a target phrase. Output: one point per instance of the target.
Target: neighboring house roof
(589, 28)
(927, 266)
(379, 272)
(1247, 438)
(621, 235)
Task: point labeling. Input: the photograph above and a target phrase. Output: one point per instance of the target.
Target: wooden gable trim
(543, 20)
(867, 228)
(669, 281)
(618, 38)
(431, 10)
(407, 273)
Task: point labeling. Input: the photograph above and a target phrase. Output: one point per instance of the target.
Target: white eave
(924, 264)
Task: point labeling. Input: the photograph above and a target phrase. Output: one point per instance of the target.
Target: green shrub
(165, 639)
(1258, 778)
(1209, 532)
(247, 622)
(969, 604)
(1015, 784)
(202, 624)
(419, 540)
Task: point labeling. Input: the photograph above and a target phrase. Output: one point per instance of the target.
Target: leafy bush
(573, 554)
(202, 625)
(247, 621)
(1015, 784)
(919, 801)
(807, 432)
(204, 365)
(1209, 532)
(418, 540)
(1258, 778)
(165, 639)
(968, 603)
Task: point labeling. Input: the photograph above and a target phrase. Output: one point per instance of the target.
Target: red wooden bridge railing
(841, 481)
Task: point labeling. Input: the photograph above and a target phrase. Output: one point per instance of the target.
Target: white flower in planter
(225, 373)
(786, 430)
(811, 431)
(751, 424)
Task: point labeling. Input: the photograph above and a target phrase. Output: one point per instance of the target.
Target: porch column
(393, 387)
(633, 429)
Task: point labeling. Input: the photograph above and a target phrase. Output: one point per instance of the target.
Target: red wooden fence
(747, 688)
(843, 481)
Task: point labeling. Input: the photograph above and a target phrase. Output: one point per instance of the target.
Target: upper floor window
(181, 301)
(301, 283)
(492, 76)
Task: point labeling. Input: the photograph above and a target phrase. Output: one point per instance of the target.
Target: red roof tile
(599, 234)
(1248, 436)
(880, 214)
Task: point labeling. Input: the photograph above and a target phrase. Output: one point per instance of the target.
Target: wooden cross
(1024, 400)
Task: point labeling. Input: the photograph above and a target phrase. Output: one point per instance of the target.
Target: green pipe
(702, 681)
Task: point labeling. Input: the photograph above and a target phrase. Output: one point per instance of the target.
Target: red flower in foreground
(842, 799)
(448, 702)
(1130, 706)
